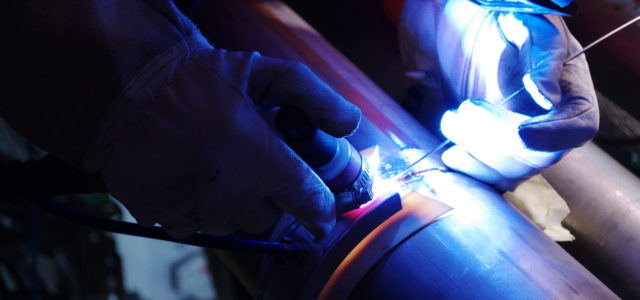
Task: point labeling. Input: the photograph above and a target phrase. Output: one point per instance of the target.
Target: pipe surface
(483, 250)
(605, 222)
(484, 247)
(604, 198)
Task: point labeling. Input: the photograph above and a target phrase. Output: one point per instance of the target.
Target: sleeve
(67, 63)
(392, 9)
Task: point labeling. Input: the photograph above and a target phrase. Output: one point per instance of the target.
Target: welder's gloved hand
(488, 146)
(199, 156)
(469, 52)
(131, 89)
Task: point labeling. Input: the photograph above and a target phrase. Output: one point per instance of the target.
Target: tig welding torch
(335, 160)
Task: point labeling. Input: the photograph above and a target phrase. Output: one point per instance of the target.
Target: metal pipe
(483, 250)
(587, 178)
(483, 247)
(604, 198)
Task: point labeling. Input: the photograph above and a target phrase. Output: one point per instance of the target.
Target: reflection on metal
(482, 248)
(604, 199)
(416, 213)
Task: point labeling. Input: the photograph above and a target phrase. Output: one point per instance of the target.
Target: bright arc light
(381, 186)
(490, 134)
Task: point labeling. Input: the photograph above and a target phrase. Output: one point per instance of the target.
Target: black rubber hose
(284, 250)
(45, 177)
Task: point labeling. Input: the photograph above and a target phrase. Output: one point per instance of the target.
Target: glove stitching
(111, 118)
(215, 72)
(265, 88)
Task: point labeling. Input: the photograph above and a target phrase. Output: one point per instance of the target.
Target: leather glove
(469, 52)
(197, 155)
(131, 89)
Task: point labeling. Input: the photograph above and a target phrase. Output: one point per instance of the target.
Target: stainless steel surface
(483, 248)
(608, 243)
(605, 213)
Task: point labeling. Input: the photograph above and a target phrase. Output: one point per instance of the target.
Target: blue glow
(482, 45)
(562, 3)
(533, 90)
(472, 42)
(490, 134)
(513, 29)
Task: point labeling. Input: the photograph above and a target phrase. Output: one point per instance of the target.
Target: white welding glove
(199, 155)
(488, 146)
(470, 52)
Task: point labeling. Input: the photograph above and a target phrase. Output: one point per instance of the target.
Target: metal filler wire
(572, 57)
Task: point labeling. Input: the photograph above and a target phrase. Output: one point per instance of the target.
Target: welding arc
(434, 150)
(572, 57)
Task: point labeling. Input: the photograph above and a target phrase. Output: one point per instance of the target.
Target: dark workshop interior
(409, 223)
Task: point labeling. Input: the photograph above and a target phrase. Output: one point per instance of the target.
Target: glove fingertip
(348, 123)
(539, 139)
(310, 202)
(448, 123)
(343, 123)
(321, 222)
(532, 137)
(554, 136)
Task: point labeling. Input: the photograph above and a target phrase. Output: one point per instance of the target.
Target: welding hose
(277, 249)
(47, 177)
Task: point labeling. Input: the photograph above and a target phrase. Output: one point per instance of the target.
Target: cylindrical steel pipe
(612, 253)
(604, 198)
(482, 248)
